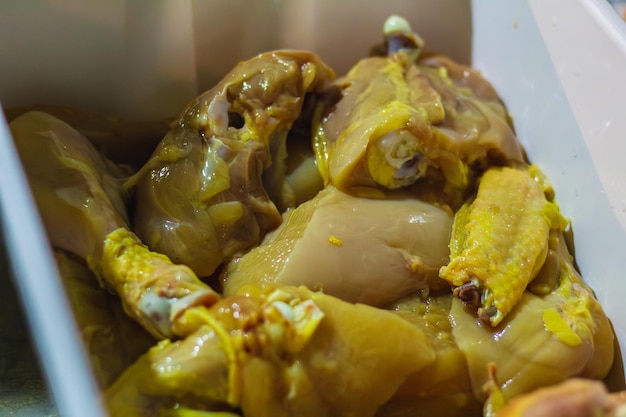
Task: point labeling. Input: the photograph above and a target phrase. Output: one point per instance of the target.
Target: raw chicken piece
(79, 197)
(217, 182)
(373, 134)
(476, 120)
(573, 398)
(557, 333)
(500, 241)
(284, 352)
(400, 122)
(280, 351)
(113, 341)
(544, 340)
(360, 249)
(442, 388)
(123, 141)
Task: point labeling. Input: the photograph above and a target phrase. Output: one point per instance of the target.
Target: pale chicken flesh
(371, 250)
(577, 397)
(219, 179)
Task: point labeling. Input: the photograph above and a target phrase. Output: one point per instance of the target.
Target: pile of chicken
(376, 245)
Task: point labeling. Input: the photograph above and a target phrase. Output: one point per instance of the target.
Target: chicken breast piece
(366, 250)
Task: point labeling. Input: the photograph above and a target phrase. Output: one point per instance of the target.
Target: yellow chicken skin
(156, 291)
(401, 122)
(544, 340)
(112, 340)
(283, 352)
(219, 180)
(372, 135)
(500, 241)
(557, 331)
(79, 196)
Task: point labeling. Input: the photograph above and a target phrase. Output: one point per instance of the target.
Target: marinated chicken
(283, 352)
(443, 388)
(113, 340)
(371, 250)
(128, 142)
(573, 398)
(500, 241)
(78, 193)
(383, 246)
(217, 182)
(544, 340)
(401, 122)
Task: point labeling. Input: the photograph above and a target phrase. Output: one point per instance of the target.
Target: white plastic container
(560, 66)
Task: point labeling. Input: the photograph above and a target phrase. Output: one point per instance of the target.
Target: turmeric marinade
(302, 244)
